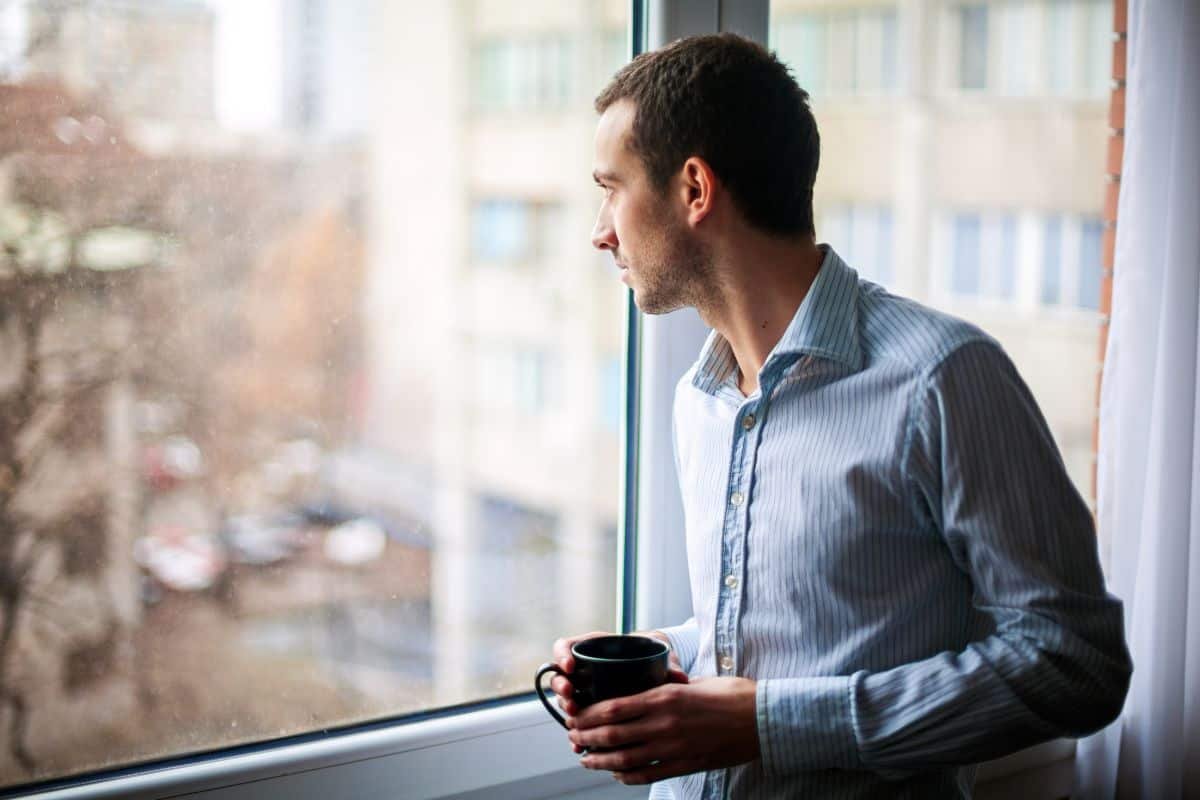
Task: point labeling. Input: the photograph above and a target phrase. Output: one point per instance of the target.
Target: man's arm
(987, 474)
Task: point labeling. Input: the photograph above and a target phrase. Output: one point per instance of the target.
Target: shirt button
(748, 422)
(731, 581)
(737, 498)
(726, 663)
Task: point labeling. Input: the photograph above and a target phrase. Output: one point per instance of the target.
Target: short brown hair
(733, 103)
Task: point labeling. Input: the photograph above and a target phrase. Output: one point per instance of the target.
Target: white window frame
(511, 750)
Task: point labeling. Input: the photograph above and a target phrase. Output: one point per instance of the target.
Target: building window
(1052, 266)
(862, 235)
(522, 74)
(840, 51)
(1089, 265)
(973, 47)
(517, 379)
(965, 267)
(983, 256)
(999, 49)
(1070, 275)
(510, 230)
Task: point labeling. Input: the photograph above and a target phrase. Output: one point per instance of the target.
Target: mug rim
(666, 649)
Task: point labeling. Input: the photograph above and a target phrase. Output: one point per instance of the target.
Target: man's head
(702, 116)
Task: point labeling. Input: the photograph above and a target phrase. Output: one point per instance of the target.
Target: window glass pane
(1099, 41)
(842, 60)
(889, 61)
(1005, 278)
(1059, 46)
(884, 252)
(965, 266)
(1089, 264)
(280, 457)
(1015, 24)
(1052, 262)
(501, 230)
(973, 215)
(800, 40)
(973, 47)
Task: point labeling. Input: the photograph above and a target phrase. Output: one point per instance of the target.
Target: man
(892, 574)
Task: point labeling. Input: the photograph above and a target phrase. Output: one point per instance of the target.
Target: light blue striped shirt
(885, 538)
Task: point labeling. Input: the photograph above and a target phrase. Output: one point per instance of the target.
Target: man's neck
(760, 290)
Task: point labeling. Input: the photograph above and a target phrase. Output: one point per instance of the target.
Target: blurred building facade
(962, 165)
(147, 60)
(495, 330)
(325, 63)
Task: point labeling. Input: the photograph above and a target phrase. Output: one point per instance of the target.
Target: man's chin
(649, 304)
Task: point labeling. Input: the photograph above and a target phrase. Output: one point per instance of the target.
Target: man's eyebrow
(600, 177)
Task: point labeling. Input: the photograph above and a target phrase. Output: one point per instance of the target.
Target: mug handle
(537, 683)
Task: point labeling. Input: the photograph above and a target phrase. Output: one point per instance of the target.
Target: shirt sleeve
(985, 472)
(685, 642)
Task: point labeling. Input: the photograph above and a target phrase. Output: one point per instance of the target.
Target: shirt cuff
(685, 642)
(806, 724)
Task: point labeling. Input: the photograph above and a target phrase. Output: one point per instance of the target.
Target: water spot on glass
(94, 127)
(67, 129)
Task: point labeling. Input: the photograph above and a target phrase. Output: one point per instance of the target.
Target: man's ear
(697, 189)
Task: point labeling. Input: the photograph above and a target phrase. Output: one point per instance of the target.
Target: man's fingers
(677, 676)
(562, 687)
(646, 729)
(656, 772)
(562, 649)
(631, 759)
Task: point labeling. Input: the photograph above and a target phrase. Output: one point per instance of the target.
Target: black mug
(608, 667)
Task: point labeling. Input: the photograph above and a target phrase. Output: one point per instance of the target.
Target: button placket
(733, 537)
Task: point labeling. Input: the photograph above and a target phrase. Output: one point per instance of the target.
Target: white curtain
(1149, 494)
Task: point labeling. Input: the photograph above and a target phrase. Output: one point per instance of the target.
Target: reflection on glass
(307, 379)
(992, 195)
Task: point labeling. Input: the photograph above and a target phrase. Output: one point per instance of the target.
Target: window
(523, 74)
(862, 234)
(512, 231)
(516, 379)
(973, 47)
(1022, 48)
(836, 51)
(1071, 262)
(983, 260)
(1052, 267)
(965, 268)
(286, 462)
(983, 257)
(1089, 265)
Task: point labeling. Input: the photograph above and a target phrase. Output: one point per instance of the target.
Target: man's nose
(603, 235)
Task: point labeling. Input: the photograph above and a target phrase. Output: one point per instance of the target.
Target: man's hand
(671, 730)
(564, 658)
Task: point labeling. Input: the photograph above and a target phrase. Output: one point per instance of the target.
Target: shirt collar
(825, 325)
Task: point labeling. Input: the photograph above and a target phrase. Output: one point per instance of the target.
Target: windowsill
(507, 748)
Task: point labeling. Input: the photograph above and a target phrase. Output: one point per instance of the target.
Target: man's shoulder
(901, 330)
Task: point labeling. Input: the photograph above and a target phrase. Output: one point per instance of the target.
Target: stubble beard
(676, 273)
